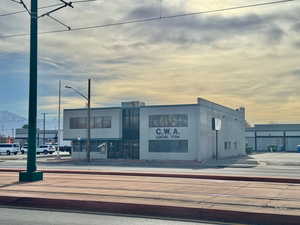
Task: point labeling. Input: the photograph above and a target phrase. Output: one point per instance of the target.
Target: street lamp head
(66, 86)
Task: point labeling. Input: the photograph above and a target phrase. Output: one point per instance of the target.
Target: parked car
(9, 149)
(24, 149)
(45, 149)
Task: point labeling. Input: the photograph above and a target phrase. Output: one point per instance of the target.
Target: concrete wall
(115, 132)
(186, 133)
(233, 130)
(201, 138)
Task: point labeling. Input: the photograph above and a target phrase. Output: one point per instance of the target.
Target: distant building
(157, 132)
(281, 137)
(49, 136)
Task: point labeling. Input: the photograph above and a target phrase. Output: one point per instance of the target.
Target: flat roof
(146, 106)
(97, 108)
(159, 106)
(199, 101)
(274, 127)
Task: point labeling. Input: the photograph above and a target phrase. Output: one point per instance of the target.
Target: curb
(172, 175)
(152, 210)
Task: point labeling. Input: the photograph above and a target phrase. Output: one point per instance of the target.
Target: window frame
(168, 120)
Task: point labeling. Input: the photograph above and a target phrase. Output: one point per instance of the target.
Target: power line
(46, 7)
(58, 21)
(23, 4)
(154, 18)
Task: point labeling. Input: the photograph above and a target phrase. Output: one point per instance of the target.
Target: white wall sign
(167, 133)
(216, 124)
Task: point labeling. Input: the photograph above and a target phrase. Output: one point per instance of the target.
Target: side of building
(106, 127)
(231, 137)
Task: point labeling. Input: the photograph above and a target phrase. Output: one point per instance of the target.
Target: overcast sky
(245, 57)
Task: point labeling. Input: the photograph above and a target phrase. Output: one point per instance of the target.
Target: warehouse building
(158, 132)
(278, 137)
(47, 136)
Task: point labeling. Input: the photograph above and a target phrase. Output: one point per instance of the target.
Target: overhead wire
(154, 18)
(46, 7)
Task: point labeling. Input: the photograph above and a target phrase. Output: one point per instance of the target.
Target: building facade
(157, 132)
(280, 137)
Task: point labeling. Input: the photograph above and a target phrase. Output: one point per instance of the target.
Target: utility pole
(44, 127)
(88, 143)
(32, 174)
(58, 127)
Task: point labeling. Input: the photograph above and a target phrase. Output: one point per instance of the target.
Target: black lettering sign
(158, 131)
(167, 133)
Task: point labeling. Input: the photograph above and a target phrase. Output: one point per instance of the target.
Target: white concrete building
(158, 132)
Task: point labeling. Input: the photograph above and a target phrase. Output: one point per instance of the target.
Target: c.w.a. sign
(167, 133)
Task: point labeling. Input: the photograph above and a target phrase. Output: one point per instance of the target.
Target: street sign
(216, 124)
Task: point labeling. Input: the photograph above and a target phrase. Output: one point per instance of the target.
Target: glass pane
(173, 120)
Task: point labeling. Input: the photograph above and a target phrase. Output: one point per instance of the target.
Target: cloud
(296, 27)
(204, 29)
(238, 58)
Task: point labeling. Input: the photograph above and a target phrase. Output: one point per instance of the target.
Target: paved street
(13, 216)
(267, 164)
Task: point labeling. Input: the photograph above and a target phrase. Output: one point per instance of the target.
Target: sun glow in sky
(246, 57)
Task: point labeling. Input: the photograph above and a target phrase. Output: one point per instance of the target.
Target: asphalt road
(269, 164)
(14, 216)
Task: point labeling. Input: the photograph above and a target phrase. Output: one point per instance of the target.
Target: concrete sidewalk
(231, 201)
(184, 175)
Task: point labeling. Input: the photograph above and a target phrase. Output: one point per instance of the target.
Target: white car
(9, 149)
(24, 149)
(45, 149)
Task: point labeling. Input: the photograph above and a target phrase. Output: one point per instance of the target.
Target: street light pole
(88, 98)
(32, 174)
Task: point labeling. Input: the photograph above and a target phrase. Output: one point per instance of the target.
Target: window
(96, 122)
(173, 120)
(5, 146)
(168, 146)
(227, 145)
(78, 123)
(102, 122)
(235, 145)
